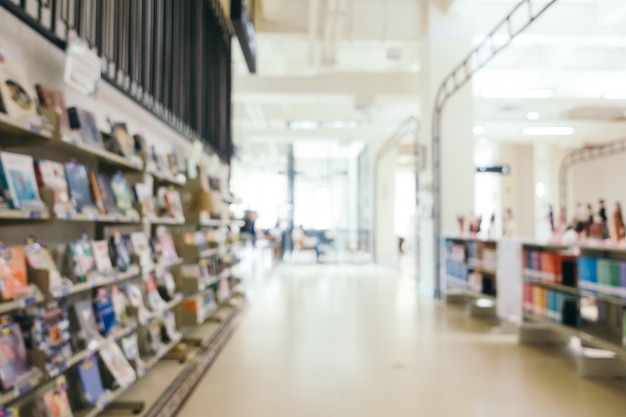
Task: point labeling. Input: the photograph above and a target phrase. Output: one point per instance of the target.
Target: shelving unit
(577, 292)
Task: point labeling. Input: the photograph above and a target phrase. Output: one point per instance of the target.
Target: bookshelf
(577, 291)
(176, 357)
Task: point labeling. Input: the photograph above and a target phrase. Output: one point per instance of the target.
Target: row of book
(553, 267)
(482, 283)
(77, 125)
(602, 276)
(481, 254)
(457, 273)
(455, 251)
(78, 190)
(552, 305)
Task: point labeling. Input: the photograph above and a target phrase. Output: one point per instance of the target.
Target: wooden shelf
(18, 130)
(556, 287)
(164, 221)
(10, 215)
(26, 387)
(8, 306)
(155, 315)
(165, 178)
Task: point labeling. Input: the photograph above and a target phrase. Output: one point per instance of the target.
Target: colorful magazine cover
(55, 402)
(79, 186)
(121, 192)
(104, 311)
(101, 184)
(85, 122)
(120, 250)
(141, 248)
(13, 357)
(54, 99)
(123, 138)
(51, 175)
(13, 281)
(102, 257)
(143, 195)
(155, 301)
(118, 365)
(88, 332)
(15, 95)
(82, 261)
(136, 300)
(120, 305)
(91, 381)
(19, 182)
(167, 247)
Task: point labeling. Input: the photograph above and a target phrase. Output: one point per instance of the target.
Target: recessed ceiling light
(529, 93)
(478, 130)
(615, 95)
(549, 130)
(533, 115)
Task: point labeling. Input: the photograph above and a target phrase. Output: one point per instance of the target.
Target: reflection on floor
(329, 340)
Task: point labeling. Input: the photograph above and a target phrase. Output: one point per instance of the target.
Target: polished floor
(345, 340)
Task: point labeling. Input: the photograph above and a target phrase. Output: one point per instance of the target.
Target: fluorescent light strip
(549, 130)
(533, 115)
(518, 93)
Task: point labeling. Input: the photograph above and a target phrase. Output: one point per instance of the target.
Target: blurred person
(248, 232)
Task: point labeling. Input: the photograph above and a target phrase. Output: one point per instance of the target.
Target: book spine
(8, 192)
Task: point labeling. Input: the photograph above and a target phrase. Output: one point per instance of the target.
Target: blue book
(18, 180)
(90, 380)
(85, 122)
(78, 182)
(105, 312)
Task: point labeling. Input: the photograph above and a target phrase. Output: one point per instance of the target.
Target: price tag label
(28, 301)
(34, 128)
(22, 389)
(35, 215)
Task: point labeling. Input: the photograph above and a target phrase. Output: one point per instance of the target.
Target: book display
(471, 265)
(95, 299)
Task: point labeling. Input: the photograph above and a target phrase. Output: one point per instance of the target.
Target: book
(167, 285)
(80, 189)
(55, 402)
(103, 194)
(143, 195)
(173, 205)
(135, 299)
(121, 192)
(102, 257)
(19, 182)
(120, 306)
(120, 250)
(81, 260)
(13, 278)
(130, 346)
(88, 333)
(54, 99)
(13, 358)
(104, 311)
(170, 333)
(117, 364)
(125, 142)
(155, 301)
(155, 340)
(85, 122)
(90, 381)
(15, 98)
(39, 258)
(141, 248)
(167, 247)
(51, 175)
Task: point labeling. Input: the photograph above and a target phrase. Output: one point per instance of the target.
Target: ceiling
(359, 60)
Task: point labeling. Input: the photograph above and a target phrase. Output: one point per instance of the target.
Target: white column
(386, 241)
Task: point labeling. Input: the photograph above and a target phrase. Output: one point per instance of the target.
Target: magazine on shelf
(124, 141)
(167, 247)
(118, 365)
(121, 192)
(85, 122)
(143, 195)
(103, 194)
(141, 248)
(90, 381)
(87, 334)
(155, 301)
(130, 346)
(13, 357)
(167, 285)
(136, 300)
(16, 98)
(81, 260)
(51, 175)
(120, 306)
(55, 402)
(173, 204)
(155, 340)
(105, 312)
(13, 278)
(19, 182)
(170, 333)
(102, 257)
(80, 189)
(54, 99)
(120, 251)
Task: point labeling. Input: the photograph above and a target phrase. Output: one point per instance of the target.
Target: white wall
(386, 241)
(44, 63)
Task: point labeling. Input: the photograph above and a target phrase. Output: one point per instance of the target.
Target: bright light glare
(304, 125)
(478, 130)
(533, 115)
(519, 93)
(549, 130)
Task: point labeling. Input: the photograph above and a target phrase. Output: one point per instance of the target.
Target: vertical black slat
(129, 40)
(117, 36)
(39, 7)
(98, 26)
(166, 80)
(157, 47)
(23, 4)
(53, 17)
(178, 51)
(77, 23)
(146, 46)
(228, 102)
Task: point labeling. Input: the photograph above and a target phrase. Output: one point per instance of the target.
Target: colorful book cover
(167, 285)
(82, 260)
(54, 99)
(105, 193)
(121, 192)
(120, 250)
(85, 121)
(155, 340)
(169, 326)
(13, 357)
(141, 248)
(102, 257)
(143, 195)
(18, 180)
(135, 299)
(167, 247)
(80, 189)
(51, 175)
(88, 328)
(173, 204)
(104, 311)
(120, 305)
(15, 96)
(117, 364)
(130, 346)
(91, 381)
(13, 278)
(55, 402)
(124, 140)
(155, 301)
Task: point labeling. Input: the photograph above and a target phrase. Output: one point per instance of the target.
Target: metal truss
(520, 18)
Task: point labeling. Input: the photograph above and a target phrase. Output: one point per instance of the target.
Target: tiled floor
(358, 341)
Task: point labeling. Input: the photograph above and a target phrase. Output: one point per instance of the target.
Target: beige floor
(357, 341)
